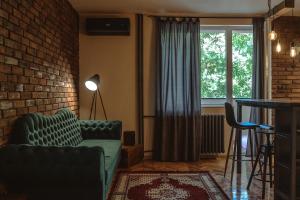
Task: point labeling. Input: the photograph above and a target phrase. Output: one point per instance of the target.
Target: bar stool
(231, 120)
(266, 151)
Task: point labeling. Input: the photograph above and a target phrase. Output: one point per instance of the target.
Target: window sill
(212, 105)
(215, 103)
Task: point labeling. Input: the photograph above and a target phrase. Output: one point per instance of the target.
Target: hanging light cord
(271, 13)
(269, 6)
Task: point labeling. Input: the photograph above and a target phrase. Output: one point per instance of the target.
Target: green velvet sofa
(61, 157)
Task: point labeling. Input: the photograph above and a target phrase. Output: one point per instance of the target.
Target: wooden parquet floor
(236, 191)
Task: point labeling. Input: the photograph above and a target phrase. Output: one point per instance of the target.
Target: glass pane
(213, 64)
(242, 53)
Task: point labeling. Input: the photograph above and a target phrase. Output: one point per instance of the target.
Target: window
(213, 64)
(242, 52)
(226, 63)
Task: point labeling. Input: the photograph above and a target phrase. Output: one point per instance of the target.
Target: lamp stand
(94, 104)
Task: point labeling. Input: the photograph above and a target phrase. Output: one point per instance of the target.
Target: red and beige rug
(166, 186)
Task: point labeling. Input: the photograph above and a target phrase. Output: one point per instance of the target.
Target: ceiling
(190, 7)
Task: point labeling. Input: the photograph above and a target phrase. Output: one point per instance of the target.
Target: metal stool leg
(270, 160)
(257, 151)
(270, 169)
(228, 151)
(233, 158)
(251, 147)
(266, 157)
(253, 169)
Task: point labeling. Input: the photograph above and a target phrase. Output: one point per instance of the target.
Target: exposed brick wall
(39, 59)
(285, 70)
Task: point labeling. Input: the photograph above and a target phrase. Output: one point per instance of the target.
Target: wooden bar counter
(287, 144)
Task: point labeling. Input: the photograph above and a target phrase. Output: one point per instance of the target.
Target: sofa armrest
(24, 166)
(95, 129)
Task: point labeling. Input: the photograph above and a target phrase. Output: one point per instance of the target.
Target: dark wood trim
(148, 151)
(290, 3)
(205, 17)
(140, 76)
(149, 116)
(282, 5)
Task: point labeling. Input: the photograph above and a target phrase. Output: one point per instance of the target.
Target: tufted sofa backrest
(61, 129)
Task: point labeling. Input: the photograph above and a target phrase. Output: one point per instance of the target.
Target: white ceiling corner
(190, 7)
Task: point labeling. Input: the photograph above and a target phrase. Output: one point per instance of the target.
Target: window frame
(228, 29)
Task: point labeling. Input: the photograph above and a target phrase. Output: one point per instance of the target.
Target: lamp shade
(93, 82)
(293, 52)
(272, 35)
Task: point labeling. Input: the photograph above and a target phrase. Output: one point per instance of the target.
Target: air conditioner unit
(108, 26)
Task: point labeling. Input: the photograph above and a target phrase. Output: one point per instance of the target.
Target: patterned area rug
(166, 186)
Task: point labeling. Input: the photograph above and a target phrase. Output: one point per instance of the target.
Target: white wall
(113, 58)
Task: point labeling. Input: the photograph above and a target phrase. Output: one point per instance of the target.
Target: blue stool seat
(266, 127)
(247, 125)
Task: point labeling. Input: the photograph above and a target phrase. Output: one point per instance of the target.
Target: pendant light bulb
(293, 52)
(278, 47)
(272, 35)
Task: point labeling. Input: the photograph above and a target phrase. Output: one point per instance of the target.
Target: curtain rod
(206, 17)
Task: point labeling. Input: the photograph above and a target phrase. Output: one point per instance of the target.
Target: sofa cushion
(112, 153)
(61, 129)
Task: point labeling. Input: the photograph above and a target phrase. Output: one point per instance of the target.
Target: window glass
(213, 64)
(242, 58)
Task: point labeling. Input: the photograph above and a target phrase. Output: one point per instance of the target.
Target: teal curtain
(178, 99)
(256, 114)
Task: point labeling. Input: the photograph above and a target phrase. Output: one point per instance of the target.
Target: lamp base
(93, 109)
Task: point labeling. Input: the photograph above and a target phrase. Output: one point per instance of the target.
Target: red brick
(25, 95)
(48, 107)
(3, 95)
(19, 103)
(41, 108)
(17, 70)
(34, 58)
(43, 82)
(32, 109)
(12, 78)
(3, 14)
(38, 88)
(10, 43)
(18, 54)
(39, 101)
(3, 77)
(28, 72)
(47, 101)
(285, 70)
(5, 105)
(28, 87)
(22, 111)
(39, 95)
(20, 87)
(4, 123)
(5, 68)
(30, 102)
(34, 81)
(11, 60)
(9, 113)
(14, 95)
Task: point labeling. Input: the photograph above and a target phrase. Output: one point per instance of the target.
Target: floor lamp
(93, 85)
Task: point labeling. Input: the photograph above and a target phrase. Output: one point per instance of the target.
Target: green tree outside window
(213, 64)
